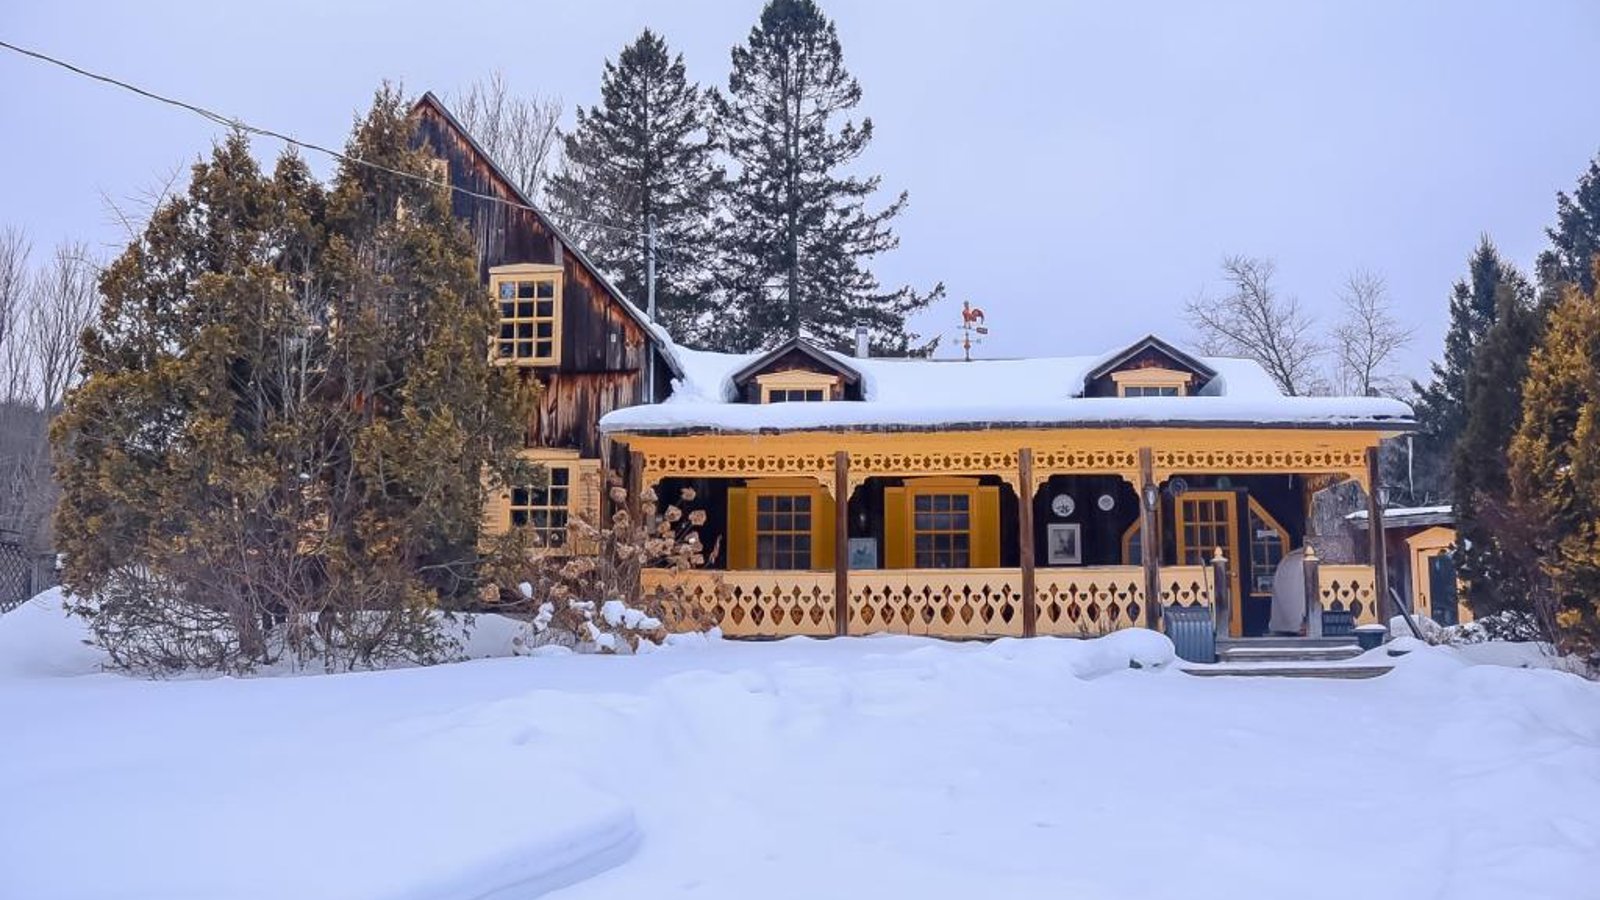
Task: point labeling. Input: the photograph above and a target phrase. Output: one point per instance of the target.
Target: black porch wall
(1101, 532)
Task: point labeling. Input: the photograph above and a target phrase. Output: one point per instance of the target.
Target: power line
(241, 125)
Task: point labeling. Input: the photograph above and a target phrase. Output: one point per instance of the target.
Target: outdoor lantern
(1151, 496)
(1383, 496)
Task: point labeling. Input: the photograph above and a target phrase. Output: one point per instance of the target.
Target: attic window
(528, 300)
(797, 386)
(1152, 382)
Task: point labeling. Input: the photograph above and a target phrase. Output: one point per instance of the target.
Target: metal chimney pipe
(863, 350)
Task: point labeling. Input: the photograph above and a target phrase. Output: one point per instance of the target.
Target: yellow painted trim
(797, 380)
(528, 272)
(1256, 509)
(983, 505)
(1129, 536)
(1231, 550)
(1113, 451)
(741, 514)
(1152, 377)
(1423, 546)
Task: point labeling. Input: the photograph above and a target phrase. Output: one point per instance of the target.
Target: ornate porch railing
(937, 602)
(1185, 585)
(954, 603)
(1091, 600)
(1348, 587)
(756, 604)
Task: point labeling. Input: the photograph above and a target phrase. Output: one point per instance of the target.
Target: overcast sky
(1076, 169)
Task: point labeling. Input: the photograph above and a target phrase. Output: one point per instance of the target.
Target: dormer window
(528, 304)
(1152, 382)
(797, 386)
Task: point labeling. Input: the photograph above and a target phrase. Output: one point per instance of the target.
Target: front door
(1207, 521)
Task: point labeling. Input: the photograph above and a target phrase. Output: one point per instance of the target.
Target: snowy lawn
(872, 767)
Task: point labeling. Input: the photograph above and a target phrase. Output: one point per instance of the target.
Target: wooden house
(561, 322)
(847, 495)
(1071, 495)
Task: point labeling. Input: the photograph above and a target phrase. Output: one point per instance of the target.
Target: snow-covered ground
(870, 767)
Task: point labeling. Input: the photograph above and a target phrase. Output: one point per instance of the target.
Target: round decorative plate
(1063, 505)
(1106, 502)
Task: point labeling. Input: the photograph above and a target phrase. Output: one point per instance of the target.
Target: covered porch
(1001, 532)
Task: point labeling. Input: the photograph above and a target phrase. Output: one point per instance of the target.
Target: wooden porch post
(1149, 540)
(636, 486)
(1221, 594)
(841, 543)
(1313, 584)
(1030, 607)
(1380, 561)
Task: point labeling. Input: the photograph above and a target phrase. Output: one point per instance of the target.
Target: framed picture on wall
(1063, 545)
(863, 553)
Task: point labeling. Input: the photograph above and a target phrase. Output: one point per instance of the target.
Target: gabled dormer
(1150, 367)
(796, 371)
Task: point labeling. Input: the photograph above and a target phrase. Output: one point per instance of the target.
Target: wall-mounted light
(1383, 496)
(1151, 496)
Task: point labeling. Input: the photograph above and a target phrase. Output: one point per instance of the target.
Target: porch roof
(1044, 392)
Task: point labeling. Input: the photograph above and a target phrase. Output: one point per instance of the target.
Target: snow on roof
(1042, 391)
(1408, 516)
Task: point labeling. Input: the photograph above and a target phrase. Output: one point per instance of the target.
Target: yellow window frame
(1257, 511)
(1147, 379)
(527, 328)
(983, 506)
(791, 380)
(742, 510)
(582, 501)
(1131, 544)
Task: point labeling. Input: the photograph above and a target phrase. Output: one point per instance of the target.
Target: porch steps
(1285, 671)
(1286, 650)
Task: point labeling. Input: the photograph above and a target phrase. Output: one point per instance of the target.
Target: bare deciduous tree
(14, 284)
(1255, 322)
(1368, 338)
(518, 131)
(62, 305)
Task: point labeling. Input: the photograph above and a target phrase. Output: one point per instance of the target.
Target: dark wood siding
(602, 346)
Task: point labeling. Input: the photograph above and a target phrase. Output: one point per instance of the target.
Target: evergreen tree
(1574, 240)
(1441, 405)
(646, 151)
(285, 419)
(1497, 578)
(799, 234)
(1555, 471)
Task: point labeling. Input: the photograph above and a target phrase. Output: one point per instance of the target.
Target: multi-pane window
(1149, 390)
(1205, 524)
(794, 395)
(1267, 546)
(783, 531)
(942, 531)
(544, 510)
(528, 319)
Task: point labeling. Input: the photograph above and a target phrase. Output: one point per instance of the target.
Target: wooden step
(1225, 670)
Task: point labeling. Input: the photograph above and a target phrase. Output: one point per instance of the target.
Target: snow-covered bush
(589, 594)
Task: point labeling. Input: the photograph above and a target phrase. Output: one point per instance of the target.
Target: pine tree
(799, 234)
(1497, 578)
(1441, 405)
(1555, 472)
(281, 439)
(1574, 240)
(646, 151)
